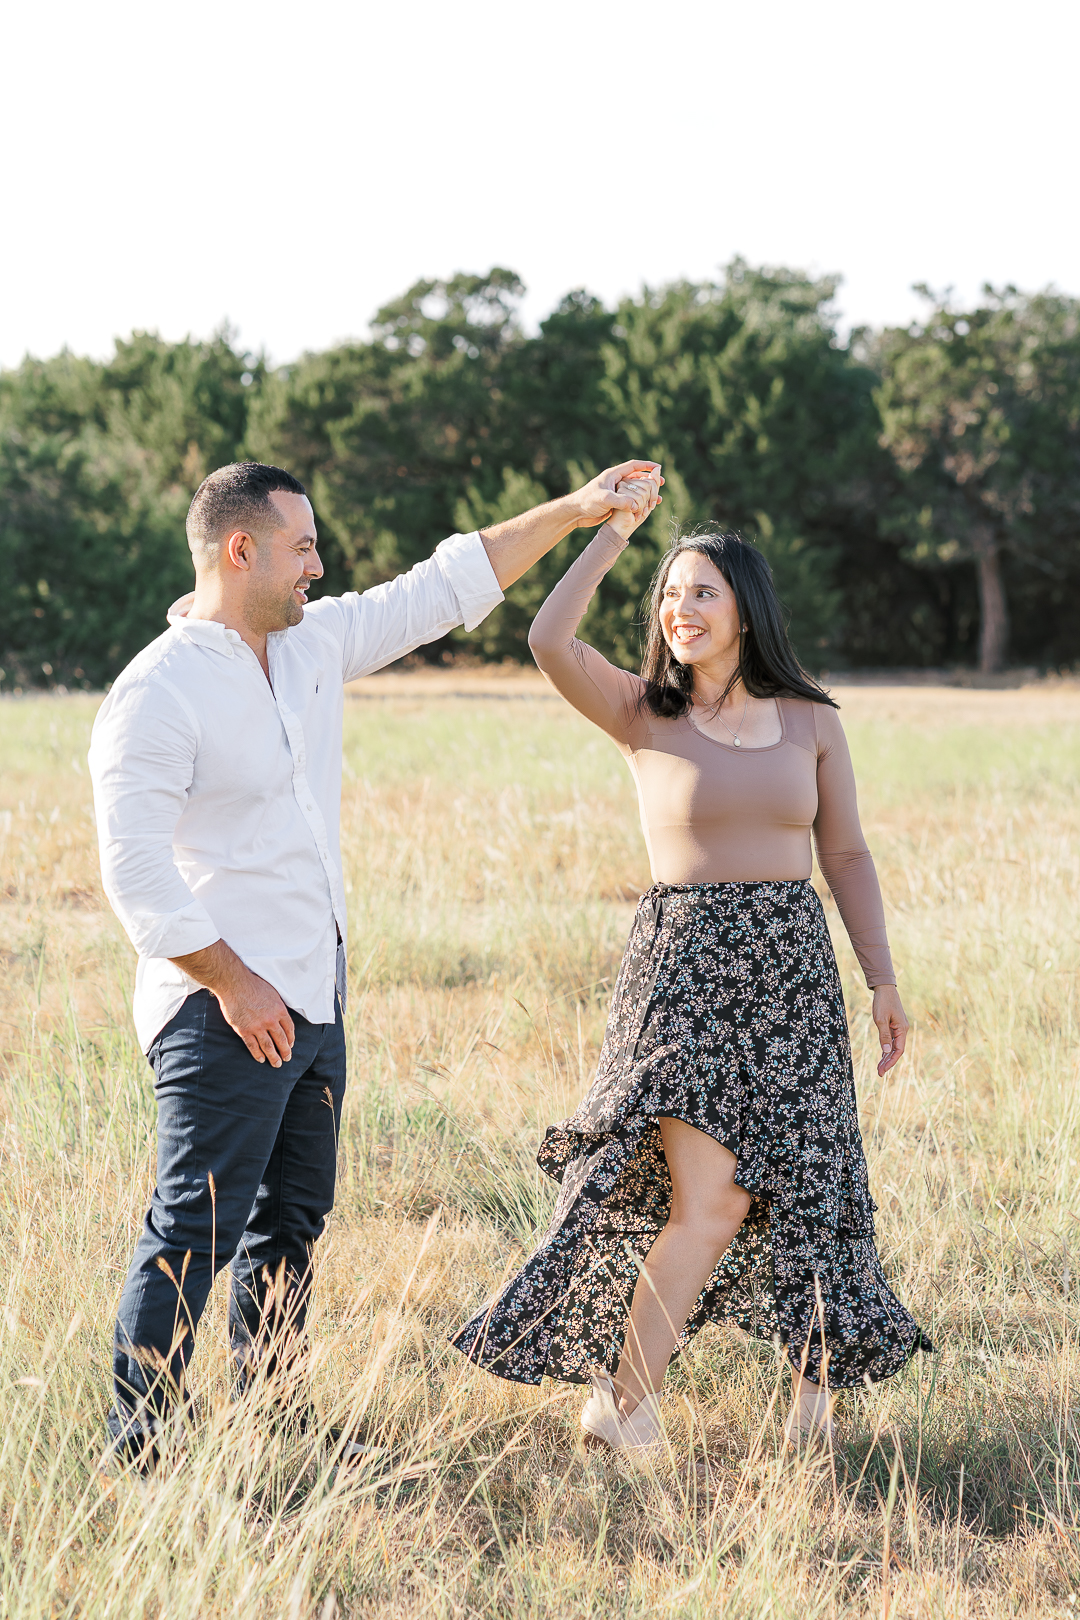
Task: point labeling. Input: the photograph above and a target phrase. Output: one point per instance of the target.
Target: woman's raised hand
(646, 491)
(892, 1025)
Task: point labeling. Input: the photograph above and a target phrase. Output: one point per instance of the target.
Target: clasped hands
(622, 496)
(643, 488)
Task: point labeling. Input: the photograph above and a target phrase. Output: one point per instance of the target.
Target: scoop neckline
(743, 748)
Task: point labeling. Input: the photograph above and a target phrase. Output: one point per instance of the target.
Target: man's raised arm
(514, 546)
(464, 579)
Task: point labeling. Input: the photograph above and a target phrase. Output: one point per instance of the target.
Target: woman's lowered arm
(848, 869)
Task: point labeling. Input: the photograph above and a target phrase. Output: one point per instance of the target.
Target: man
(216, 762)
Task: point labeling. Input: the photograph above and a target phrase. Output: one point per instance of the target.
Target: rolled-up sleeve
(456, 585)
(142, 758)
(465, 562)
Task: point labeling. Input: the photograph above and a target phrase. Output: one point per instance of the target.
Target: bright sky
(291, 167)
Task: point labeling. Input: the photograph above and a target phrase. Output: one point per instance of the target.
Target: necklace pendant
(736, 743)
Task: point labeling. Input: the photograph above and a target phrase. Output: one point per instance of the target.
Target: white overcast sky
(291, 167)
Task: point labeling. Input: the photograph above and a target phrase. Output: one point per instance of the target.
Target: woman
(715, 1170)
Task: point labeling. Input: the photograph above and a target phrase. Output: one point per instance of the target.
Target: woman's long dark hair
(768, 666)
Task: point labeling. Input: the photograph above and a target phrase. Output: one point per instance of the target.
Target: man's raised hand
(616, 490)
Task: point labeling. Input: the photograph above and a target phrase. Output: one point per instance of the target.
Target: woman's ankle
(628, 1397)
(811, 1409)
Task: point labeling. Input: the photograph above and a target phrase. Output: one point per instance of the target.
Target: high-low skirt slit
(727, 1013)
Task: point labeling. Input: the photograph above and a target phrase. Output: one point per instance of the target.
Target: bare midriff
(711, 812)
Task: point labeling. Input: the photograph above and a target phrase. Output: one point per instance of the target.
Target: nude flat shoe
(808, 1422)
(600, 1417)
(600, 1414)
(643, 1428)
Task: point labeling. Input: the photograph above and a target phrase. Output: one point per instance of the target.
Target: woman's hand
(646, 492)
(892, 1025)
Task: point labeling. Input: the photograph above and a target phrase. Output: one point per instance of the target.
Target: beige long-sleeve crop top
(710, 812)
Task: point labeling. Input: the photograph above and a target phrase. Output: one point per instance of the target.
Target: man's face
(286, 562)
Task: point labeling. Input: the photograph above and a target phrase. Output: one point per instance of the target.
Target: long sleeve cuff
(875, 959)
(465, 562)
(170, 933)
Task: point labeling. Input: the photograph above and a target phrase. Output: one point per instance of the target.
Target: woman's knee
(714, 1222)
(721, 1207)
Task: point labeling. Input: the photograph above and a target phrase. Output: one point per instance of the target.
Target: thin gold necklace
(736, 740)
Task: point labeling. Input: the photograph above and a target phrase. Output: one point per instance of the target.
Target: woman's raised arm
(607, 696)
(603, 694)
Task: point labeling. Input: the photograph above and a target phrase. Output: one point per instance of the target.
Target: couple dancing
(714, 1171)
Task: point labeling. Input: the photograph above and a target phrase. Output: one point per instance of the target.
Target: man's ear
(240, 550)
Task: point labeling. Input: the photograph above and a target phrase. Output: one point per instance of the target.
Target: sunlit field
(492, 855)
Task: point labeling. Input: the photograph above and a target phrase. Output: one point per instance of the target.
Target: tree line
(916, 490)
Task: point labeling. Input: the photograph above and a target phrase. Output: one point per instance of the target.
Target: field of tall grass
(492, 855)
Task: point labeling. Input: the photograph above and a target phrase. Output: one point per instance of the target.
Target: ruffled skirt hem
(727, 1014)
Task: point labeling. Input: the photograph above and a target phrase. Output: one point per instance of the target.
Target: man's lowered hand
(251, 1007)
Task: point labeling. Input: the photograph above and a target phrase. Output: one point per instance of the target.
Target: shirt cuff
(172, 933)
(467, 566)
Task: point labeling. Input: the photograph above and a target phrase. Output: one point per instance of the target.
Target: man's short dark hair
(237, 497)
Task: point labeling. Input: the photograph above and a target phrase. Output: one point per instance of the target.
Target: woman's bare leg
(707, 1209)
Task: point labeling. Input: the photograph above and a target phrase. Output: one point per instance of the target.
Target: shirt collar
(204, 632)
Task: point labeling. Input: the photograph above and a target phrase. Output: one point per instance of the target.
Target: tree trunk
(993, 608)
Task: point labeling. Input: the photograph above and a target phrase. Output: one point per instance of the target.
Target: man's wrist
(577, 514)
(217, 967)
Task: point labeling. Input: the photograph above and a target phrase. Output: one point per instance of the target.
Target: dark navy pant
(245, 1178)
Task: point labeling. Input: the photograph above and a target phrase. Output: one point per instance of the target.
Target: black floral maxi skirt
(728, 1014)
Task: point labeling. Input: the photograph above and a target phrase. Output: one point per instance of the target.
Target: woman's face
(698, 615)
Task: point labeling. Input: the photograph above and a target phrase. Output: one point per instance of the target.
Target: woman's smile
(686, 633)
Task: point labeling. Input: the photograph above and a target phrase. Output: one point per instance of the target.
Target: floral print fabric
(728, 1014)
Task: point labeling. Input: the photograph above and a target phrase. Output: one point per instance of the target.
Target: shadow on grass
(998, 1467)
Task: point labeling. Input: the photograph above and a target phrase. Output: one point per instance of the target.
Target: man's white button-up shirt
(218, 794)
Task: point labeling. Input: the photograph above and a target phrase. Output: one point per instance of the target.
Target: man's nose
(313, 566)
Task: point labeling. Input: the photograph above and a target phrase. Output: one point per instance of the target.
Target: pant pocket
(342, 977)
